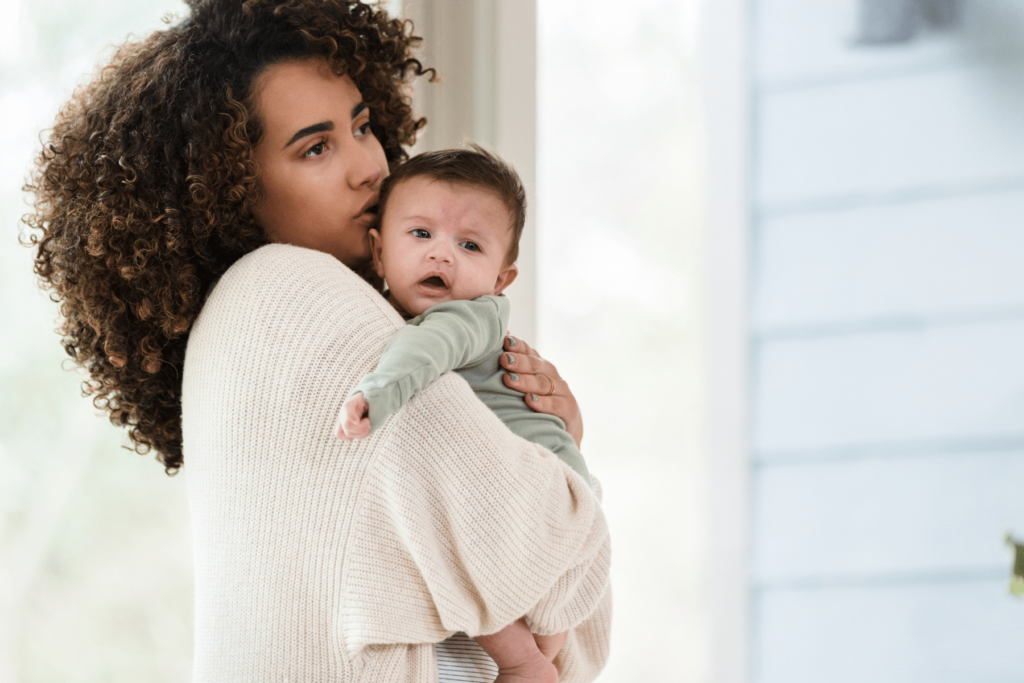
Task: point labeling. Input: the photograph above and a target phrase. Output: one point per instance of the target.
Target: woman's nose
(365, 168)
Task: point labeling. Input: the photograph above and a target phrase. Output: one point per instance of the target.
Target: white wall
(887, 328)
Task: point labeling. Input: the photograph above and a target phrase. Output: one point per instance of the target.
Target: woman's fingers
(542, 385)
(519, 346)
(526, 364)
(552, 405)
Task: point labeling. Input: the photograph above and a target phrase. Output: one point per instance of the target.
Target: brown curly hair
(144, 192)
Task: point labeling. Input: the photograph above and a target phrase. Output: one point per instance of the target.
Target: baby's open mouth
(434, 281)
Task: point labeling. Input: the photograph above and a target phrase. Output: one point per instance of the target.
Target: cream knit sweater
(320, 560)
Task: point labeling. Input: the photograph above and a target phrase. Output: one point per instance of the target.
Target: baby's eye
(421, 233)
(470, 246)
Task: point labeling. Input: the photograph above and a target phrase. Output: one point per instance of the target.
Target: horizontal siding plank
(935, 129)
(921, 384)
(943, 256)
(864, 518)
(939, 632)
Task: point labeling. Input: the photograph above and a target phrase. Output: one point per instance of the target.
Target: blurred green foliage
(1017, 580)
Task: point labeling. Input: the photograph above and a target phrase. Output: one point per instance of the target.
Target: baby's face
(442, 242)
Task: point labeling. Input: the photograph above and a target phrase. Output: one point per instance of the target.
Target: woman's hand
(546, 391)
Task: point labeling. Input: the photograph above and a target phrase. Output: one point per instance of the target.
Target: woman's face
(320, 167)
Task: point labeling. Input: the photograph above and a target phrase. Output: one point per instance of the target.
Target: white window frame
(724, 61)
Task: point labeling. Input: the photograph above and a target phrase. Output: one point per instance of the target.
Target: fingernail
(534, 397)
(511, 341)
(511, 358)
(514, 376)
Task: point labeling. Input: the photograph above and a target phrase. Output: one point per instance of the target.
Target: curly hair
(144, 191)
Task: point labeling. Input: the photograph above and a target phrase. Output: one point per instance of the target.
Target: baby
(447, 242)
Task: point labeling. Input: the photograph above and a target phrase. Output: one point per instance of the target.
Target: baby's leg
(518, 658)
(549, 646)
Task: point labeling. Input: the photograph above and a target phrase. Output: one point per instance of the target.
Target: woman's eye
(363, 129)
(421, 233)
(470, 246)
(315, 151)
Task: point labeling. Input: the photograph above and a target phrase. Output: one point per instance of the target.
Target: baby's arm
(519, 656)
(447, 336)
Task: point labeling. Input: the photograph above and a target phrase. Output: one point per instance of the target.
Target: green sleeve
(447, 336)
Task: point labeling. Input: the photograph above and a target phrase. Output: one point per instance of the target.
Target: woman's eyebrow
(322, 126)
(309, 130)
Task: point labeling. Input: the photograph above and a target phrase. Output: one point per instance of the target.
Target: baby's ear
(376, 246)
(506, 277)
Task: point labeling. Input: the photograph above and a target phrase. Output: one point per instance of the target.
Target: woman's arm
(466, 527)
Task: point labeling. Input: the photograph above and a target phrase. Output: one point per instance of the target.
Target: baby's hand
(354, 419)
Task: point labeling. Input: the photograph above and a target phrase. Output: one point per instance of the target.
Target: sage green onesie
(467, 337)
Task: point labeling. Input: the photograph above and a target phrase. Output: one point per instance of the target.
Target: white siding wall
(887, 348)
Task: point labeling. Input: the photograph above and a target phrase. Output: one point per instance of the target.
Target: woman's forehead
(298, 94)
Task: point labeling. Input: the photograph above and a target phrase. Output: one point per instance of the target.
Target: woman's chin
(355, 256)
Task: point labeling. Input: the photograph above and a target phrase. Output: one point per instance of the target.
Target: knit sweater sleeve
(447, 336)
(466, 527)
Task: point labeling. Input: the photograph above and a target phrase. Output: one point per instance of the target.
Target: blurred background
(777, 249)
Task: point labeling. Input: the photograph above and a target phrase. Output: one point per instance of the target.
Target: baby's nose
(441, 253)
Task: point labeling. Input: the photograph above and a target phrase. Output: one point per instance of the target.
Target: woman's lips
(368, 215)
(370, 206)
(366, 220)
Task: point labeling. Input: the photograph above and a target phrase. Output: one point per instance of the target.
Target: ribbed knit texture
(321, 560)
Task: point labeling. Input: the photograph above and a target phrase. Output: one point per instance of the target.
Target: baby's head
(449, 228)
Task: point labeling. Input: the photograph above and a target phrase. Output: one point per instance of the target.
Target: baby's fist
(354, 420)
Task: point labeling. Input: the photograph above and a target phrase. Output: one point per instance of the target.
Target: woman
(231, 164)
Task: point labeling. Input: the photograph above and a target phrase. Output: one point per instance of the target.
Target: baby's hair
(473, 167)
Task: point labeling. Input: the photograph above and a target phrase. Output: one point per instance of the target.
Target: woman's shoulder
(285, 266)
(286, 276)
(282, 296)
